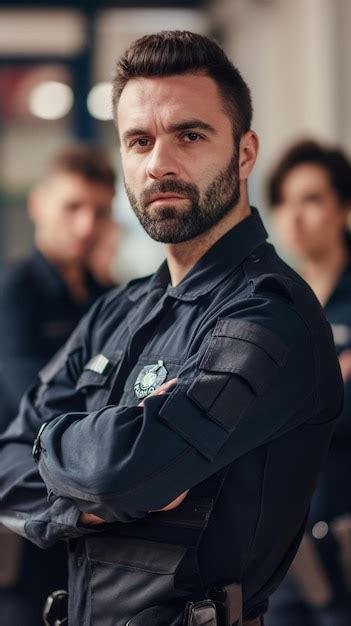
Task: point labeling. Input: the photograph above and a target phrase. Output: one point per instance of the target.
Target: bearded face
(195, 214)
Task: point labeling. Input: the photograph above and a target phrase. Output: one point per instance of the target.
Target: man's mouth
(165, 197)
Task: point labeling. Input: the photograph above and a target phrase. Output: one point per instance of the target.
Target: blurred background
(56, 63)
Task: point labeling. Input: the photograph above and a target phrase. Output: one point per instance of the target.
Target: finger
(160, 390)
(163, 388)
(173, 505)
(90, 518)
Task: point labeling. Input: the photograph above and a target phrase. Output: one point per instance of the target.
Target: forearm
(90, 518)
(24, 504)
(94, 459)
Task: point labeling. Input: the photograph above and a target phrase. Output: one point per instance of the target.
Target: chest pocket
(96, 378)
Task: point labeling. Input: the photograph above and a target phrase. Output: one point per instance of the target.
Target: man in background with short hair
(42, 298)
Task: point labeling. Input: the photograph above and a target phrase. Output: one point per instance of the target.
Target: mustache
(169, 186)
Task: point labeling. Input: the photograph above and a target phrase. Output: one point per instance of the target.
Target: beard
(171, 224)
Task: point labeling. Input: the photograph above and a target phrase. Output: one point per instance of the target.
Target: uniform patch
(97, 364)
(149, 379)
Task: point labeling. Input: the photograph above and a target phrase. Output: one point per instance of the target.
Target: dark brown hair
(333, 160)
(90, 162)
(169, 53)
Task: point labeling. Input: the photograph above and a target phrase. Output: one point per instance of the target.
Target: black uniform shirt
(37, 315)
(258, 391)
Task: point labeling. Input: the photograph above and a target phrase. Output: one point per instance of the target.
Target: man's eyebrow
(190, 124)
(133, 132)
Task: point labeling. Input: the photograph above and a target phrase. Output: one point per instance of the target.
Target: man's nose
(85, 223)
(294, 211)
(297, 213)
(162, 161)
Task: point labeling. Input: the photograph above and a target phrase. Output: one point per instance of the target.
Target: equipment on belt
(224, 609)
(55, 611)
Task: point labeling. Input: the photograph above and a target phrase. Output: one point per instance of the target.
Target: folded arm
(120, 463)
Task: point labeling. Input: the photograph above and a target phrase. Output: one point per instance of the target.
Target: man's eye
(192, 137)
(312, 198)
(143, 142)
(73, 206)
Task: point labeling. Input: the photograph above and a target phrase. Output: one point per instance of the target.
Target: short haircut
(332, 159)
(170, 53)
(89, 162)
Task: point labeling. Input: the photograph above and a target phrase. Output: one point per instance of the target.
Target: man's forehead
(184, 95)
(76, 184)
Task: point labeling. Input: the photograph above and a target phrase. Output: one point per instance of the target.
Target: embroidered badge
(150, 378)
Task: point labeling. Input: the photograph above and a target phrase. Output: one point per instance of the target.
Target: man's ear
(248, 150)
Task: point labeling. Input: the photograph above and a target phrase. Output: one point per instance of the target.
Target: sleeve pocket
(247, 349)
(239, 365)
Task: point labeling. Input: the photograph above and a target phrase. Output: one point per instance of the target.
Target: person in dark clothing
(310, 195)
(180, 433)
(42, 299)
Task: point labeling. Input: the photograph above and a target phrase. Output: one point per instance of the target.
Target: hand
(90, 519)
(160, 390)
(345, 364)
(176, 502)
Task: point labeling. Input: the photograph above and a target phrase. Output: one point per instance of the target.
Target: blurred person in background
(310, 196)
(42, 298)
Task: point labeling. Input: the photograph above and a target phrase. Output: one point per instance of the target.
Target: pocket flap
(139, 554)
(255, 334)
(246, 349)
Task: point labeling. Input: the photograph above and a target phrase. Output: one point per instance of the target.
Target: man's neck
(322, 272)
(181, 257)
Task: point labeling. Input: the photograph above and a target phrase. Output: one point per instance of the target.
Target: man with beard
(180, 433)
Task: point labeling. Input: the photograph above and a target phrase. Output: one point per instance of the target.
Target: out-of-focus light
(320, 530)
(50, 100)
(99, 101)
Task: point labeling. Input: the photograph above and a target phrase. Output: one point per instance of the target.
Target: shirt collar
(221, 260)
